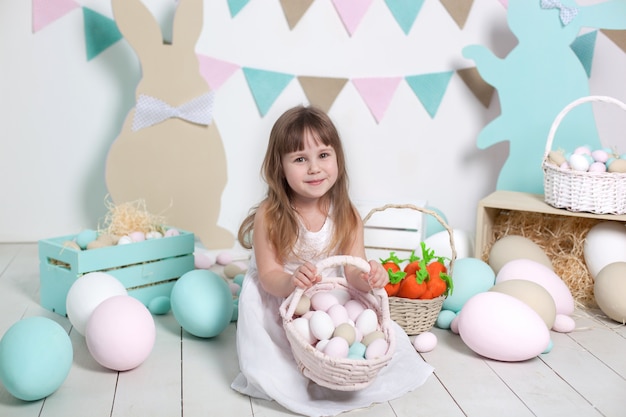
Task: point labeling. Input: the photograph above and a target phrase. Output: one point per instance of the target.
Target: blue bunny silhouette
(536, 80)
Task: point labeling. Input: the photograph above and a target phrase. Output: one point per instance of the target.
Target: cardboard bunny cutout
(169, 152)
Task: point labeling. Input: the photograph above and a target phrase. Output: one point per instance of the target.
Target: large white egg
(367, 322)
(321, 325)
(605, 243)
(501, 327)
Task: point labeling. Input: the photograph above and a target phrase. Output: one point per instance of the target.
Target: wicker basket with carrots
(419, 284)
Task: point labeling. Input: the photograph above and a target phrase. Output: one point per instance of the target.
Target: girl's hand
(377, 277)
(305, 276)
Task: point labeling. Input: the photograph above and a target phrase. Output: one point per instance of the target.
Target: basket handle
(335, 261)
(559, 118)
(425, 211)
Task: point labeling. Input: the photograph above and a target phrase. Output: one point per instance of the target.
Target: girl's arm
(377, 278)
(272, 275)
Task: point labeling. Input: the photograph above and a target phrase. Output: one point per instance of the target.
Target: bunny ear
(137, 24)
(188, 23)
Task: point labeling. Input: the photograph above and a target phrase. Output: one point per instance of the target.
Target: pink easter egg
(224, 258)
(542, 275)
(120, 333)
(202, 260)
(501, 327)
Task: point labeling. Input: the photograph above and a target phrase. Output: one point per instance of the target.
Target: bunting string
(266, 85)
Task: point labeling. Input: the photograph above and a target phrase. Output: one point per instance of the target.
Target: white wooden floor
(583, 375)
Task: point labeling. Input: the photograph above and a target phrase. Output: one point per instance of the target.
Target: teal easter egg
(85, 237)
(35, 358)
(202, 303)
(444, 319)
(238, 279)
(159, 305)
(470, 276)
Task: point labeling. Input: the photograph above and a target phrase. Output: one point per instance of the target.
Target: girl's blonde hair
(287, 136)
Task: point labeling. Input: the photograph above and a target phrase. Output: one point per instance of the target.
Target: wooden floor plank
(209, 367)
(153, 388)
(600, 385)
(476, 388)
(431, 399)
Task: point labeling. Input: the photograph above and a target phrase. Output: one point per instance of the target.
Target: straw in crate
(582, 191)
(416, 316)
(341, 374)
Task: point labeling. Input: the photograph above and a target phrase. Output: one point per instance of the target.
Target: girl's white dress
(269, 371)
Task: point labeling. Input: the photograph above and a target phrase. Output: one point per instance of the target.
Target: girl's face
(312, 171)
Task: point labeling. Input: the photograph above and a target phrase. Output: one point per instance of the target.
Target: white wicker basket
(594, 192)
(417, 316)
(339, 374)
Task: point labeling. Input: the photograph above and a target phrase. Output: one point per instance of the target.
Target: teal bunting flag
(235, 6)
(405, 12)
(584, 47)
(266, 86)
(100, 32)
(430, 89)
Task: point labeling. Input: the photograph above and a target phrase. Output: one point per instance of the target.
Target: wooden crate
(490, 207)
(147, 269)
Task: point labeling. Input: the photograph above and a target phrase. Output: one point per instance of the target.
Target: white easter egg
(604, 244)
(563, 324)
(302, 326)
(367, 322)
(321, 325)
(578, 162)
(124, 240)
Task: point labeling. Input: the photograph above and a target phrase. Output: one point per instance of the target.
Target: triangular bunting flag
(235, 6)
(320, 91)
(481, 89)
(215, 71)
(405, 12)
(377, 93)
(458, 10)
(294, 10)
(430, 88)
(266, 86)
(47, 11)
(351, 12)
(617, 36)
(584, 46)
(100, 32)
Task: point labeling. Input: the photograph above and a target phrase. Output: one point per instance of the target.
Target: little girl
(306, 216)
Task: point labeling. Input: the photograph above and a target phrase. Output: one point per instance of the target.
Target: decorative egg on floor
(513, 247)
(604, 244)
(531, 293)
(159, 305)
(86, 293)
(120, 333)
(202, 303)
(501, 327)
(35, 358)
(610, 290)
(542, 275)
(203, 260)
(425, 342)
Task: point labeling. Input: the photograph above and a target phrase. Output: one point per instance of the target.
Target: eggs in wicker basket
(340, 326)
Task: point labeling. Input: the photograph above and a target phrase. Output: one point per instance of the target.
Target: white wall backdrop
(60, 112)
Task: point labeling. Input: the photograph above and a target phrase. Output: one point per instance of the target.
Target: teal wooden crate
(147, 269)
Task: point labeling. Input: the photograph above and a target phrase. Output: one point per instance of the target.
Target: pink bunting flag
(215, 71)
(351, 12)
(377, 93)
(505, 3)
(47, 11)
